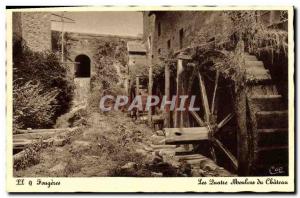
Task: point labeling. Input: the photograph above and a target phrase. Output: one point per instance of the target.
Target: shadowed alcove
(83, 67)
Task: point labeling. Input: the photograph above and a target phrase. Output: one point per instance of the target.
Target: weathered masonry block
(34, 28)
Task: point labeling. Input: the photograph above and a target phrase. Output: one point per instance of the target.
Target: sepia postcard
(150, 99)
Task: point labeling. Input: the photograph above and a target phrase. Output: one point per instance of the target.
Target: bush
(32, 106)
(38, 77)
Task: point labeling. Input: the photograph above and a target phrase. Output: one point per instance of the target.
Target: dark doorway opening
(181, 38)
(83, 67)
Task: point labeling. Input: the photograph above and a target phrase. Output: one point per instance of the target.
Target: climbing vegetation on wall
(239, 31)
(43, 90)
(248, 26)
(221, 41)
(109, 54)
(138, 69)
(158, 69)
(110, 66)
(56, 42)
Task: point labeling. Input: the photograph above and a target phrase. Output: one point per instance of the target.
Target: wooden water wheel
(247, 129)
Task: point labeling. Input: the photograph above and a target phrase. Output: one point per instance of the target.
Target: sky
(115, 23)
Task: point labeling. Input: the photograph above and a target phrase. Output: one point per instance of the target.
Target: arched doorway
(83, 66)
(82, 74)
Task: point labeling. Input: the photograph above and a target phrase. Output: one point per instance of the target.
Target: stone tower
(34, 28)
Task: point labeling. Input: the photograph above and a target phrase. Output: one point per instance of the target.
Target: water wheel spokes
(208, 115)
(230, 156)
(208, 111)
(224, 121)
(217, 126)
(213, 103)
(204, 98)
(197, 118)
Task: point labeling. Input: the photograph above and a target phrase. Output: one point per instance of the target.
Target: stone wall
(35, 29)
(148, 25)
(149, 34)
(90, 45)
(137, 60)
(16, 24)
(167, 39)
(171, 23)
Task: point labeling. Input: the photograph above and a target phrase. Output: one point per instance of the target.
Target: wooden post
(137, 91)
(150, 85)
(167, 95)
(126, 85)
(242, 136)
(150, 74)
(63, 20)
(137, 85)
(204, 97)
(241, 114)
(62, 39)
(178, 122)
(185, 87)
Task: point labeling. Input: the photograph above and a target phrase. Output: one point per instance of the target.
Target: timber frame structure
(245, 127)
(242, 123)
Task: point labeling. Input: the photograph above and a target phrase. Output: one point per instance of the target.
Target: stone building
(166, 33)
(137, 61)
(199, 58)
(80, 48)
(170, 31)
(34, 28)
(136, 53)
(81, 58)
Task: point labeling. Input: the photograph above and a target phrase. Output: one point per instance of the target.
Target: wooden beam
(21, 143)
(215, 93)
(70, 62)
(185, 135)
(184, 57)
(185, 85)
(242, 132)
(225, 120)
(177, 122)
(197, 118)
(187, 130)
(37, 134)
(189, 157)
(191, 80)
(231, 157)
(167, 95)
(204, 97)
(62, 21)
(41, 131)
(150, 85)
(62, 17)
(157, 119)
(137, 91)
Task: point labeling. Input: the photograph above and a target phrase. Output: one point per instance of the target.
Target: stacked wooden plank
(186, 135)
(175, 148)
(23, 138)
